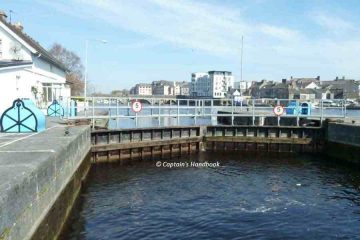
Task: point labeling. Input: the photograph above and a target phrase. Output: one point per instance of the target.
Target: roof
(163, 82)
(143, 85)
(6, 63)
(305, 79)
(308, 91)
(34, 44)
(281, 85)
(220, 72)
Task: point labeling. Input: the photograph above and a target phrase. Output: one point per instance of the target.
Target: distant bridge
(159, 97)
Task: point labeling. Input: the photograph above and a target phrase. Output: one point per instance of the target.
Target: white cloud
(332, 23)
(279, 32)
(217, 29)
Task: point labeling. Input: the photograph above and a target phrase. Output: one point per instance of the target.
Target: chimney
(343, 78)
(3, 15)
(283, 80)
(318, 78)
(18, 26)
(337, 78)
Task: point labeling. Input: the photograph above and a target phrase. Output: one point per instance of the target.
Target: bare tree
(73, 63)
(120, 93)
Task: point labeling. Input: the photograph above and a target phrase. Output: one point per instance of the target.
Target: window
(47, 92)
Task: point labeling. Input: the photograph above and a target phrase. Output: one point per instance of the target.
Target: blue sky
(168, 39)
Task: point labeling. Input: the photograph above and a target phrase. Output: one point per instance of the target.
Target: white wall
(47, 72)
(15, 84)
(7, 42)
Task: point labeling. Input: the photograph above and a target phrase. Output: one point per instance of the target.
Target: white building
(143, 89)
(165, 88)
(27, 70)
(242, 86)
(184, 89)
(214, 84)
(200, 84)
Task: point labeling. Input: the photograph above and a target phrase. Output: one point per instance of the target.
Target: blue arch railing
(55, 109)
(18, 118)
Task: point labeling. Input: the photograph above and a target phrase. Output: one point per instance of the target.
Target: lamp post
(86, 63)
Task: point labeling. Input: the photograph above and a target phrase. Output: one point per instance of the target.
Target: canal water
(246, 197)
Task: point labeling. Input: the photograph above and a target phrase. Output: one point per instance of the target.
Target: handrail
(166, 108)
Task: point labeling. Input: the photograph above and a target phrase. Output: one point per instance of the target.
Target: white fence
(163, 108)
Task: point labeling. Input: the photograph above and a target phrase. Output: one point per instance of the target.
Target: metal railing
(165, 111)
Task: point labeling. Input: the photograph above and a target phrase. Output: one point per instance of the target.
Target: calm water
(247, 197)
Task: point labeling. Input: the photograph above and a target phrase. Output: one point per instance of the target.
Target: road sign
(136, 106)
(278, 110)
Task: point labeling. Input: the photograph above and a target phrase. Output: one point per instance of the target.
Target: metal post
(93, 113)
(136, 119)
(187, 104)
(117, 113)
(195, 112)
(232, 113)
(178, 112)
(278, 118)
(170, 108)
(203, 107)
(344, 110)
(109, 107)
(212, 104)
(321, 112)
(85, 77)
(253, 112)
(159, 120)
(128, 106)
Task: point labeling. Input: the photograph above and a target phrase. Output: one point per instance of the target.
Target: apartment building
(213, 84)
(143, 89)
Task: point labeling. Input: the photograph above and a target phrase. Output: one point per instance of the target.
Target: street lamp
(86, 63)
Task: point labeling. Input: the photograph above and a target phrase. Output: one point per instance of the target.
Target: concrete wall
(40, 177)
(344, 133)
(343, 142)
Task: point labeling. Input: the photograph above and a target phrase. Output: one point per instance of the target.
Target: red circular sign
(278, 110)
(136, 106)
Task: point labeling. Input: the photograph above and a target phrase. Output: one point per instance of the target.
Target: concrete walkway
(34, 169)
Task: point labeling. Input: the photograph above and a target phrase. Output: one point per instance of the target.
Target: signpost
(136, 106)
(278, 110)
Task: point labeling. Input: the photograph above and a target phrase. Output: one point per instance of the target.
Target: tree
(73, 63)
(120, 93)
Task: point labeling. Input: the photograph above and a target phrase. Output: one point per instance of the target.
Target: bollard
(73, 108)
(22, 117)
(55, 109)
